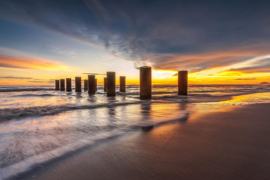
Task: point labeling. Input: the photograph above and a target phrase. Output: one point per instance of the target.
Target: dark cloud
(36, 81)
(42, 81)
(13, 77)
(246, 79)
(169, 34)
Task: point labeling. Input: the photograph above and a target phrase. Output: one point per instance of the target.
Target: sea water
(39, 124)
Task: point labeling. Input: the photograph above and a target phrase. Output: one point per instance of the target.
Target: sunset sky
(218, 42)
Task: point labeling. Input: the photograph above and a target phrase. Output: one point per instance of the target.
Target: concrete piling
(182, 82)
(122, 84)
(91, 84)
(110, 83)
(62, 84)
(85, 85)
(105, 84)
(145, 82)
(68, 88)
(57, 85)
(78, 84)
(95, 85)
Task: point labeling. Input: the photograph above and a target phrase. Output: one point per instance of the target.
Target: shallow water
(40, 125)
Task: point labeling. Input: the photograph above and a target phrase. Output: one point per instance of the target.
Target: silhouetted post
(122, 84)
(105, 84)
(78, 84)
(91, 84)
(68, 84)
(182, 82)
(85, 85)
(62, 84)
(145, 82)
(56, 84)
(110, 83)
(95, 85)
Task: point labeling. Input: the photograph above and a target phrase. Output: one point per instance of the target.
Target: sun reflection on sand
(200, 109)
(249, 99)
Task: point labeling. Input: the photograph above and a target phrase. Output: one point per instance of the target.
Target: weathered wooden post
(78, 84)
(105, 84)
(91, 84)
(95, 85)
(57, 85)
(62, 84)
(122, 84)
(85, 85)
(145, 82)
(182, 82)
(110, 83)
(68, 88)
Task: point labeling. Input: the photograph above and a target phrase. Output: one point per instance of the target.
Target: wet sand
(231, 144)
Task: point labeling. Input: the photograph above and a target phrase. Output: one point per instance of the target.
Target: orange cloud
(204, 61)
(10, 62)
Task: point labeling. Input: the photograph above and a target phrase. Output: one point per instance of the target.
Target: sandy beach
(232, 143)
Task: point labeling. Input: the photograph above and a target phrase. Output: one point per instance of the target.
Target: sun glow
(10, 62)
(230, 74)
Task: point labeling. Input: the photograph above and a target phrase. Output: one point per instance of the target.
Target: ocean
(39, 124)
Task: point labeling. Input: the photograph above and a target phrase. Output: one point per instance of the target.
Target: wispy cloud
(246, 64)
(10, 62)
(14, 77)
(28, 79)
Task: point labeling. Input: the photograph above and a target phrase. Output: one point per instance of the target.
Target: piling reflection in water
(146, 113)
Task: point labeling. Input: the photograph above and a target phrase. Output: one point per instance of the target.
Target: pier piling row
(105, 84)
(182, 82)
(145, 82)
(57, 85)
(68, 88)
(62, 84)
(122, 84)
(78, 84)
(110, 83)
(85, 85)
(91, 85)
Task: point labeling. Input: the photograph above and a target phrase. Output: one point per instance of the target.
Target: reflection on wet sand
(230, 104)
(249, 99)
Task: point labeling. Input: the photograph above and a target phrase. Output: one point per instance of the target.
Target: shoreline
(214, 145)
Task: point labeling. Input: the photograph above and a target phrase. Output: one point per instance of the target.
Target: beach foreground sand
(228, 144)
